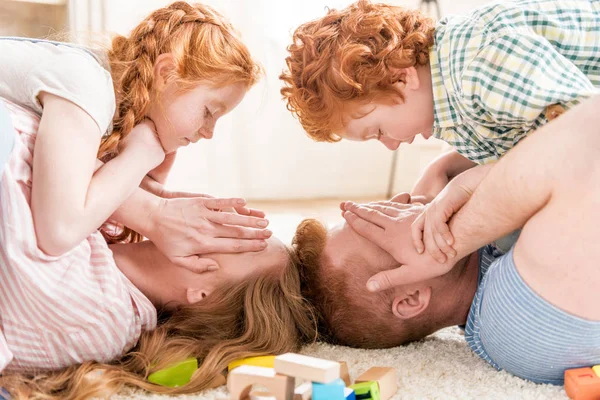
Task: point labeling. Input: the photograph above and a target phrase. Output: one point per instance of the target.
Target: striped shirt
(57, 311)
(496, 70)
(514, 329)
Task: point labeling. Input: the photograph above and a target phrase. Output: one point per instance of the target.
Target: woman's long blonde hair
(205, 48)
(265, 314)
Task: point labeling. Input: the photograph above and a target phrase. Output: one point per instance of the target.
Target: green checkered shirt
(496, 70)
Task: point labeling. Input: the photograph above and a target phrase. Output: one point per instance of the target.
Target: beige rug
(440, 367)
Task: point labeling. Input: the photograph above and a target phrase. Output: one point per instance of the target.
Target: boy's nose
(390, 143)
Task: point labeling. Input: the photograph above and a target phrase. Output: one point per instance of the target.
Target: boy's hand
(430, 230)
(432, 182)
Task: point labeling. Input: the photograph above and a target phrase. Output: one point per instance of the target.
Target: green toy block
(366, 390)
(176, 375)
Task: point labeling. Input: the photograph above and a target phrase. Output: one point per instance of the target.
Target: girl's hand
(184, 228)
(144, 139)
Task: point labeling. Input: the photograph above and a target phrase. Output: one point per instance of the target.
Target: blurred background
(259, 151)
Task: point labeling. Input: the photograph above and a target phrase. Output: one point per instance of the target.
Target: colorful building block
(349, 394)
(596, 369)
(344, 374)
(308, 368)
(242, 378)
(366, 391)
(303, 392)
(385, 377)
(176, 375)
(262, 361)
(261, 395)
(4, 395)
(582, 384)
(328, 391)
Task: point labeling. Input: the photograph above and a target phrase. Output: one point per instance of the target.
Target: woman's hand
(184, 228)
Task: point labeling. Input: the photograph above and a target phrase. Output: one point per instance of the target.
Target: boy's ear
(408, 79)
(163, 70)
(411, 303)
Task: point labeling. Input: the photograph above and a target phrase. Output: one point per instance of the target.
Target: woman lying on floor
(66, 322)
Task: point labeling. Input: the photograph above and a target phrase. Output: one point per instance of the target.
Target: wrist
(152, 213)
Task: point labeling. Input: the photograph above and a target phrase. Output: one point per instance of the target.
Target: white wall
(259, 151)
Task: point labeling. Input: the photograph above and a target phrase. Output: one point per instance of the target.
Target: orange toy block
(582, 384)
(308, 368)
(344, 374)
(385, 377)
(242, 379)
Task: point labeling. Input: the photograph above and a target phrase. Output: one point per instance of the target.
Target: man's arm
(526, 178)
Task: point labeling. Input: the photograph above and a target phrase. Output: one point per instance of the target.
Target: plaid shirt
(496, 70)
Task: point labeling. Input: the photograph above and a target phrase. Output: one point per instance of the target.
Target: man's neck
(460, 292)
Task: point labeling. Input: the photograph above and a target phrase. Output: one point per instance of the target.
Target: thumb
(196, 263)
(403, 275)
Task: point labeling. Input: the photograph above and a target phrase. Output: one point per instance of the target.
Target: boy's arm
(439, 172)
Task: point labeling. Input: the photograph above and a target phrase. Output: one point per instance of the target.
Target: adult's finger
(220, 203)
(226, 218)
(196, 263)
(376, 217)
(389, 211)
(227, 245)
(251, 212)
(393, 204)
(365, 229)
(403, 275)
(240, 232)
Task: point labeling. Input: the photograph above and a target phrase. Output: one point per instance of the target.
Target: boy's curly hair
(351, 56)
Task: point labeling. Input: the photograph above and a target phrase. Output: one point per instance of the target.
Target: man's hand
(387, 225)
(184, 228)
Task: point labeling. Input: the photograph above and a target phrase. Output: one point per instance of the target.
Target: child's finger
(431, 245)
(417, 233)
(443, 245)
(441, 226)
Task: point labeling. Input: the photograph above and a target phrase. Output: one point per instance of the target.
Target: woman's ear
(195, 295)
(411, 303)
(163, 70)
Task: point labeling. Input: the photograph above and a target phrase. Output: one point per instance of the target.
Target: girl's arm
(69, 201)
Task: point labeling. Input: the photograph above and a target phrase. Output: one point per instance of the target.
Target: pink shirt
(57, 311)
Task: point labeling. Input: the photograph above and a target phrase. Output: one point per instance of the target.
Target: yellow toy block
(262, 361)
(596, 369)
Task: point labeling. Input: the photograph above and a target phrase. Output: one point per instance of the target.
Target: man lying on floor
(532, 311)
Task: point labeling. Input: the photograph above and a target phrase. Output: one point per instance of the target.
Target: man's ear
(408, 80)
(195, 295)
(411, 303)
(163, 70)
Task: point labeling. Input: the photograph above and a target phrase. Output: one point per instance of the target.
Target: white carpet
(440, 367)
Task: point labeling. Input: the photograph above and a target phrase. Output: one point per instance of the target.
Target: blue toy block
(328, 391)
(4, 395)
(349, 393)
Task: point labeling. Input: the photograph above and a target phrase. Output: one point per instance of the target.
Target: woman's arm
(69, 200)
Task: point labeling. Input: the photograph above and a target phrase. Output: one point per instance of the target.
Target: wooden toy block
(308, 368)
(349, 394)
(582, 384)
(328, 391)
(4, 395)
(242, 378)
(344, 374)
(596, 369)
(176, 375)
(260, 395)
(366, 390)
(262, 361)
(385, 377)
(303, 392)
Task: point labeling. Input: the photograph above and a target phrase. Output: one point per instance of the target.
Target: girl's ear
(163, 70)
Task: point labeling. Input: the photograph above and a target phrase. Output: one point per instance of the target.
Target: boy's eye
(207, 113)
